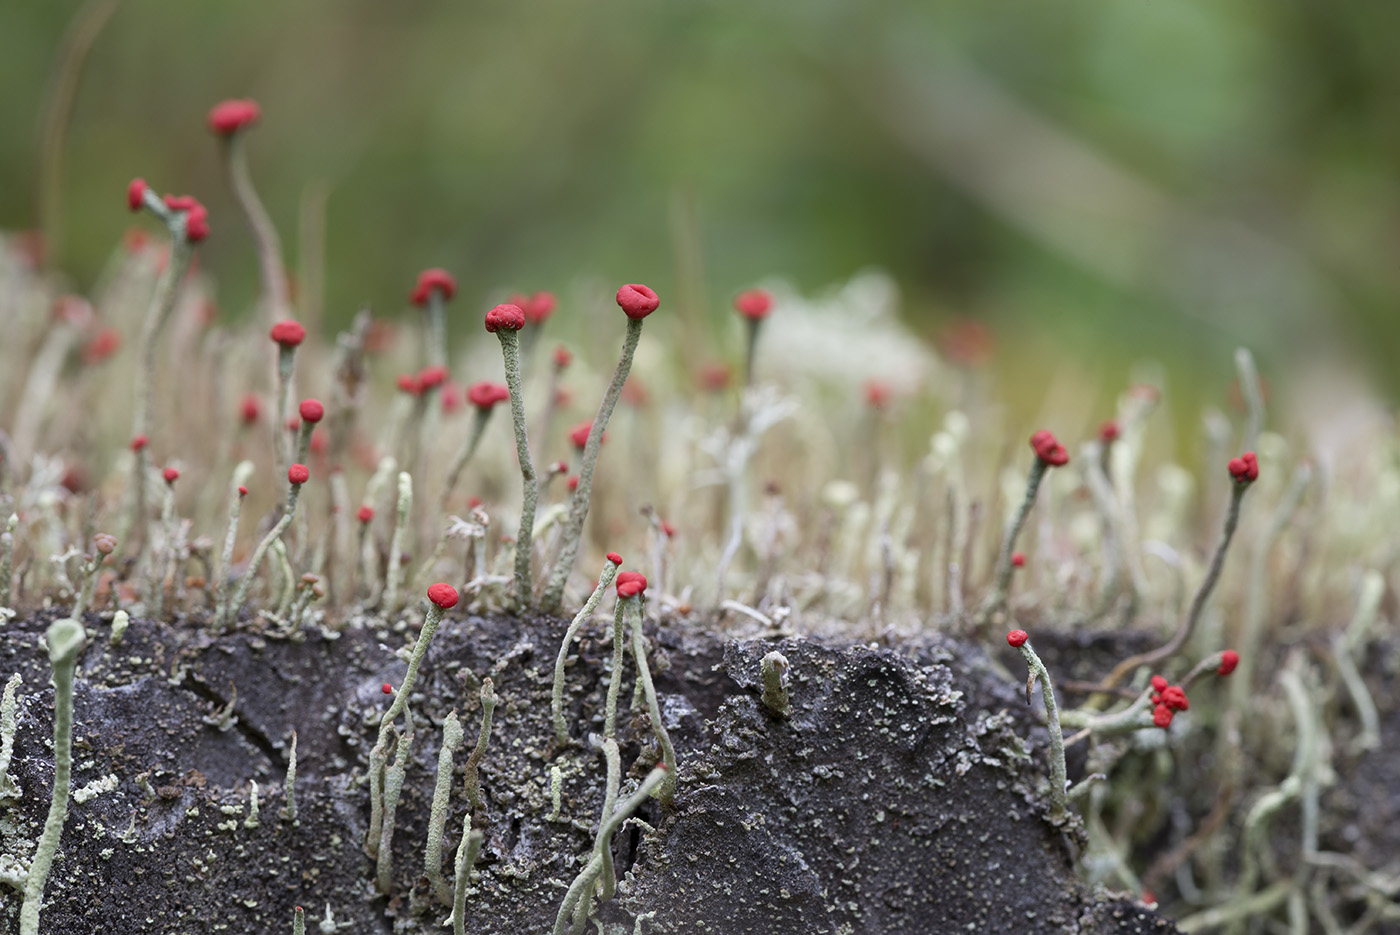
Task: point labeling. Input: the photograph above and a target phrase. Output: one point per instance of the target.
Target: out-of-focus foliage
(1123, 179)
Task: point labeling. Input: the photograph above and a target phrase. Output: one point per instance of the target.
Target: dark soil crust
(900, 796)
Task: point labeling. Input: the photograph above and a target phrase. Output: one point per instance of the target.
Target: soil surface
(904, 794)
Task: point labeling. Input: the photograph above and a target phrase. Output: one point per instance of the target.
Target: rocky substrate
(899, 796)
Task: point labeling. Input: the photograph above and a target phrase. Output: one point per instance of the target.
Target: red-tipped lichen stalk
(434, 289)
(1244, 471)
(637, 302)
(297, 475)
(505, 321)
(630, 587)
(441, 598)
(287, 335)
(188, 223)
(229, 121)
(605, 580)
(222, 580)
(1048, 453)
(1058, 774)
(753, 305)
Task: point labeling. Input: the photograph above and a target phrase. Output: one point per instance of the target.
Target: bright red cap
(877, 394)
(136, 194)
(1162, 716)
(754, 304)
(537, 307)
(1048, 449)
(1017, 637)
(242, 491)
(1174, 697)
(1158, 683)
(386, 688)
(288, 333)
(101, 346)
(443, 595)
(228, 117)
(170, 474)
(430, 378)
(631, 583)
(562, 357)
(1228, 660)
(365, 514)
(509, 317)
(430, 279)
(637, 300)
(572, 482)
(311, 410)
(1245, 468)
(1018, 559)
(1109, 432)
(196, 223)
(249, 408)
(615, 558)
(409, 384)
(579, 433)
(485, 394)
(139, 442)
(298, 474)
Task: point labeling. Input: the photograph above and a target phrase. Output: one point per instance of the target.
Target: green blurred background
(1107, 180)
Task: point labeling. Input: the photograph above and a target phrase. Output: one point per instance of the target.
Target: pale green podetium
(667, 782)
(394, 574)
(289, 811)
(252, 820)
(488, 705)
(9, 789)
(120, 621)
(65, 638)
(453, 736)
(774, 669)
(393, 788)
(467, 853)
(299, 922)
(556, 783)
(605, 580)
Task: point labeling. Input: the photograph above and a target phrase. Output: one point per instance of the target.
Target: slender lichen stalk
(505, 321)
(1048, 453)
(265, 239)
(157, 315)
(393, 577)
(1198, 603)
(299, 922)
(581, 890)
(222, 579)
(1058, 799)
(467, 853)
(472, 780)
(441, 597)
(7, 556)
(102, 546)
(8, 787)
(295, 479)
(605, 580)
(632, 605)
(65, 638)
(452, 739)
(637, 301)
(289, 810)
(393, 788)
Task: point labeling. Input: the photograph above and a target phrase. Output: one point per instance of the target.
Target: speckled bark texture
(899, 796)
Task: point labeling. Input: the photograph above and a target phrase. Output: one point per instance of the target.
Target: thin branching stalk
(1001, 583)
(571, 534)
(223, 579)
(393, 789)
(464, 454)
(467, 853)
(605, 580)
(277, 304)
(1198, 603)
(633, 609)
(1058, 801)
(394, 574)
(273, 535)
